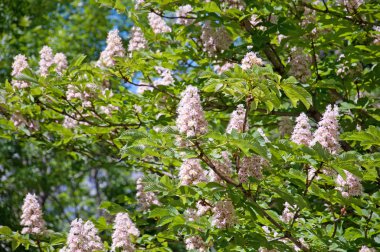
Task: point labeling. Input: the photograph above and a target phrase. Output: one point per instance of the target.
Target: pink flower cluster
(166, 77)
(113, 49)
(237, 4)
(300, 64)
(158, 24)
(237, 120)
(123, 229)
(203, 206)
(145, 199)
(251, 167)
(288, 213)
(223, 214)
(221, 69)
(32, 217)
(61, 62)
(302, 131)
(20, 63)
(184, 11)
(191, 172)
(251, 59)
(366, 249)
(47, 59)
(196, 243)
(350, 186)
(191, 120)
(327, 133)
(223, 166)
(137, 41)
(83, 237)
(215, 38)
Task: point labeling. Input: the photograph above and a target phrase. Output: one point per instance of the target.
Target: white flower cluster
(251, 167)
(83, 237)
(108, 109)
(137, 41)
(328, 130)
(191, 214)
(300, 64)
(123, 229)
(69, 122)
(302, 131)
(89, 92)
(18, 119)
(166, 77)
(60, 62)
(158, 24)
(237, 120)
(288, 213)
(113, 49)
(74, 93)
(46, 60)
(221, 69)
(145, 199)
(262, 134)
(366, 249)
(20, 63)
(138, 3)
(376, 41)
(183, 11)
(309, 17)
(223, 214)
(249, 60)
(350, 186)
(191, 120)
(346, 68)
(191, 172)
(237, 4)
(143, 86)
(31, 217)
(215, 39)
(202, 207)
(255, 20)
(196, 243)
(223, 166)
(351, 5)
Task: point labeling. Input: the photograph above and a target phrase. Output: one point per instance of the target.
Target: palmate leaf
(367, 139)
(296, 93)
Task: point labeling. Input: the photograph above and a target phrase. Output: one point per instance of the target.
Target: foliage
(79, 139)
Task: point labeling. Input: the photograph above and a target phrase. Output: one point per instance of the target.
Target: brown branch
(125, 78)
(273, 57)
(315, 60)
(248, 194)
(337, 14)
(170, 17)
(208, 161)
(307, 185)
(367, 224)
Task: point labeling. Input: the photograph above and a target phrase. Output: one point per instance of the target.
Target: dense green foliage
(81, 156)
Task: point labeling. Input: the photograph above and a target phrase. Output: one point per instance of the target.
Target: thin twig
(171, 17)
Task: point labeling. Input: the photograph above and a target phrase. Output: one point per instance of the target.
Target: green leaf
(4, 230)
(79, 60)
(111, 207)
(211, 7)
(367, 139)
(296, 93)
(119, 6)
